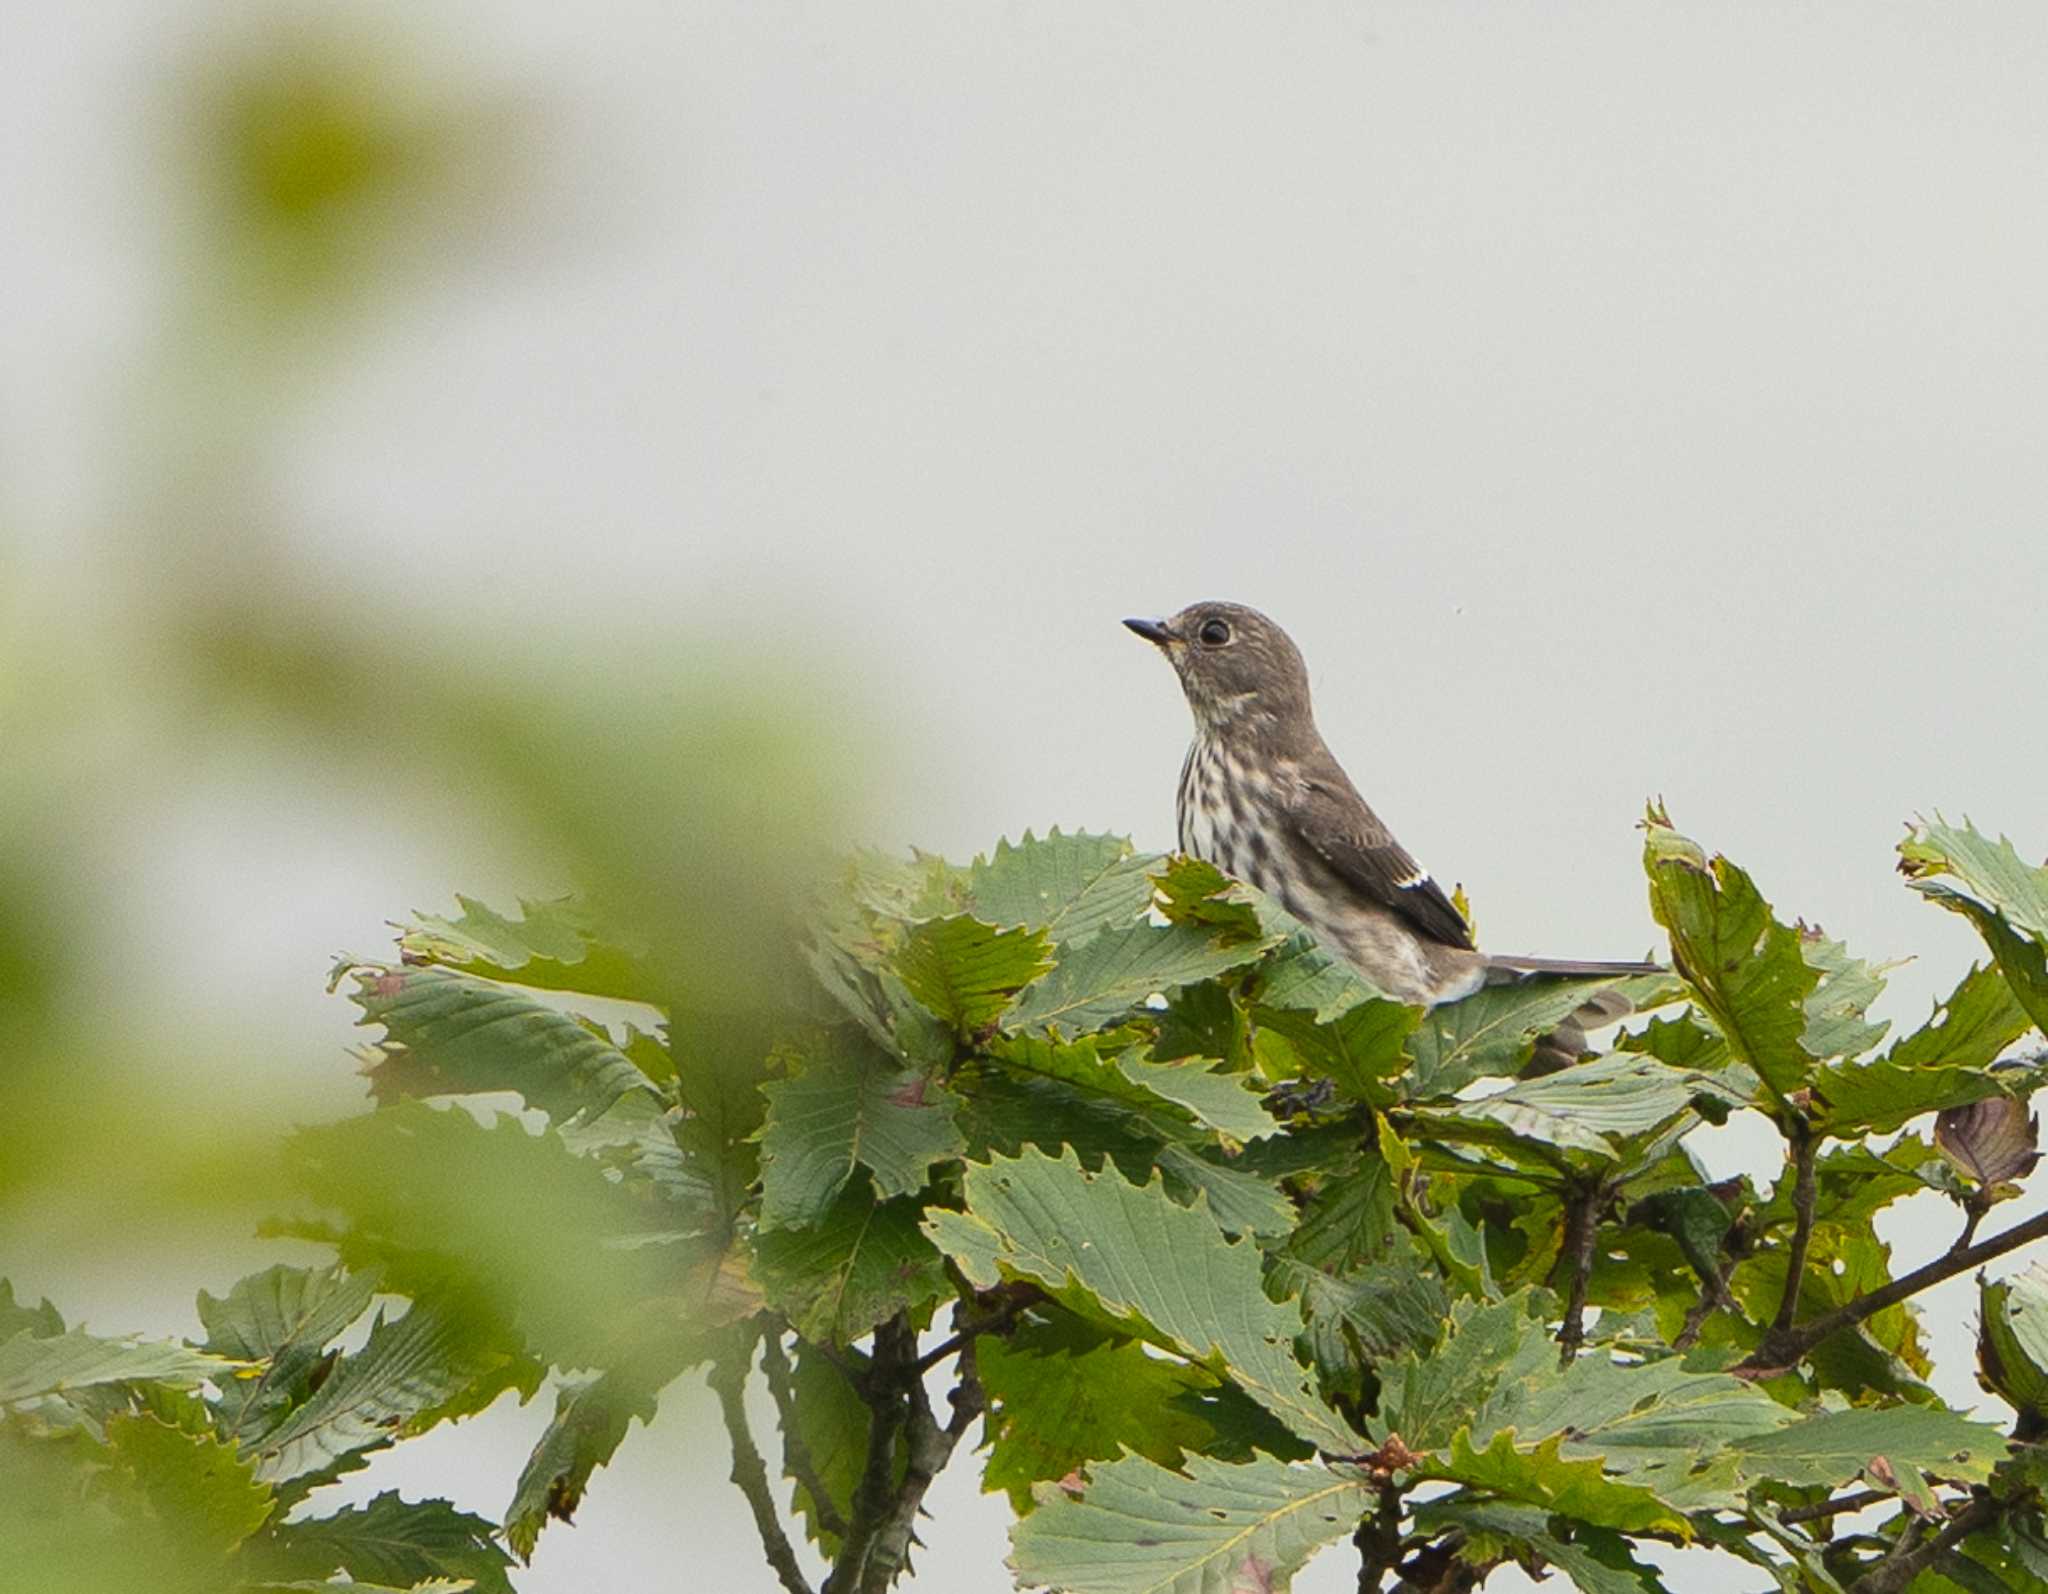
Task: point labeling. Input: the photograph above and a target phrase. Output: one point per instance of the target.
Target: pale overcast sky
(1611, 399)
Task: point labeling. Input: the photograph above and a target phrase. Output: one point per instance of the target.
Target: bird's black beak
(1153, 631)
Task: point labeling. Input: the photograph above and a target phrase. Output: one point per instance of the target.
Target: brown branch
(1714, 1297)
(728, 1380)
(880, 1385)
(1777, 1353)
(1581, 1231)
(1805, 1196)
(1379, 1540)
(1835, 1508)
(796, 1455)
(928, 1448)
(1911, 1557)
(1015, 1299)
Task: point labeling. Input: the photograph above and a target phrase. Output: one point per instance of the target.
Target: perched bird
(1262, 797)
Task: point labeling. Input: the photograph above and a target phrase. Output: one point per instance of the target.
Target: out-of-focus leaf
(1745, 967)
(851, 1106)
(41, 1320)
(966, 971)
(1139, 1528)
(283, 1317)
(1070, 886)
(201, 1488)
(1100, 980)
(33, 1365)
(392, 1541)
(1098, 1237)
(404, 1371)
(862, 1262)
(1991, 1141)
(591, 1418)
(557, 945)
(450, 1034)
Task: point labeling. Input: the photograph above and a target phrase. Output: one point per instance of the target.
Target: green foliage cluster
(1229, 1257)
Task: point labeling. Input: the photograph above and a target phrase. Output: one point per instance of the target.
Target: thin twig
(1714, 1296)
(1582, 1230)
(728, 1380)
(1015, 1302)
(1773, 1356)
(1835, 1508)
(796, 1455)
(1805, 1196)
(1906, 1562)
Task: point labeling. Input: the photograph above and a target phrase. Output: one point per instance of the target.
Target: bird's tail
(1578, 968)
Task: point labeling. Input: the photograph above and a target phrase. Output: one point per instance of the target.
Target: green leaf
(1102, 979)
(283, 1317)
(1835, 1446)
(1059, 1401)
(195, 1483)
(1745, 967)
(1494, 1030)
(557, 945)
(1428, 1398)
(1350, 1221)
(1239, 1201)
(1219, 1100)
(1597, 1560)
(1542, 1477)
(1194, 891)
(1835, 1008)
(2003, 895)
(395, 1542)
(1356, 1321)
(1304, 975)
(404, 1371)
(829, 1421)
(41, 1320)
(453, 1034)
(965, 971)
(851, 1106)
(591, 1418)
(32, 1366)
(862, 1262)
(2012, 1339)
(1361, 1050)
(1970, 1028)
(1597, 1106)
(1144, 1259)
(1070, 886)
(1139, 1528)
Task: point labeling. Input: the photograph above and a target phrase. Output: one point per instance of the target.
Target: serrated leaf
(591, 1418)
(202, 1488)
(453, 1034)
(965, 972)
(1361, 1050)
(1835, 1008)
(1427, 1398)
(1240, 1201)
(1217, 1099)
(2012, 1339)
(1494, 1030)
(1142, 1258)
(1303, 975)
(283, 1317)
(1597, 1560)
(1350, 1221)
(1833, 1447)
(1542, 1477)
(404, 1370)
(32, 1365)
(1743, 965)
(1356, 1321)
(393, 1541)
(1067, 885)
(828, 1421)
(1101, 980)
(1194, 891)
(862, 1262)
(1139, 1528)
(851, 1106)
(1999, 892)
(41, 1320)
(1059, 1402)
(1598, 1105)
(557, 945)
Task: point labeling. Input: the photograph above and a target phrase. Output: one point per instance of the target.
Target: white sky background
(1611, 400)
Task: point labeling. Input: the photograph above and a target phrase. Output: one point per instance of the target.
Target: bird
(1263, 798)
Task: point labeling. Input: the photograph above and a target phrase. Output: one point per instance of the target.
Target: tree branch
(1778, 1352)
(796, 1455)
(1379, 1540)
(728, 1380)
(1015, 1300)
(928, 1448)
(1581, 1230)
(1835, 1508)
(1911, 1557)
(880, 1385)
(1805, 1196)
(1713, 1296)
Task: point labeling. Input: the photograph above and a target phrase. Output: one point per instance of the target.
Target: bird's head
(1234, 664)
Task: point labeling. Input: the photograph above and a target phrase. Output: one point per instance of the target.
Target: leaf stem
(728, 1380)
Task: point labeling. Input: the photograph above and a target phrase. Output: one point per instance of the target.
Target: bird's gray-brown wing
(1332, 821)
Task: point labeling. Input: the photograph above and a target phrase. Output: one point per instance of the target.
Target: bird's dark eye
(1214, 633)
